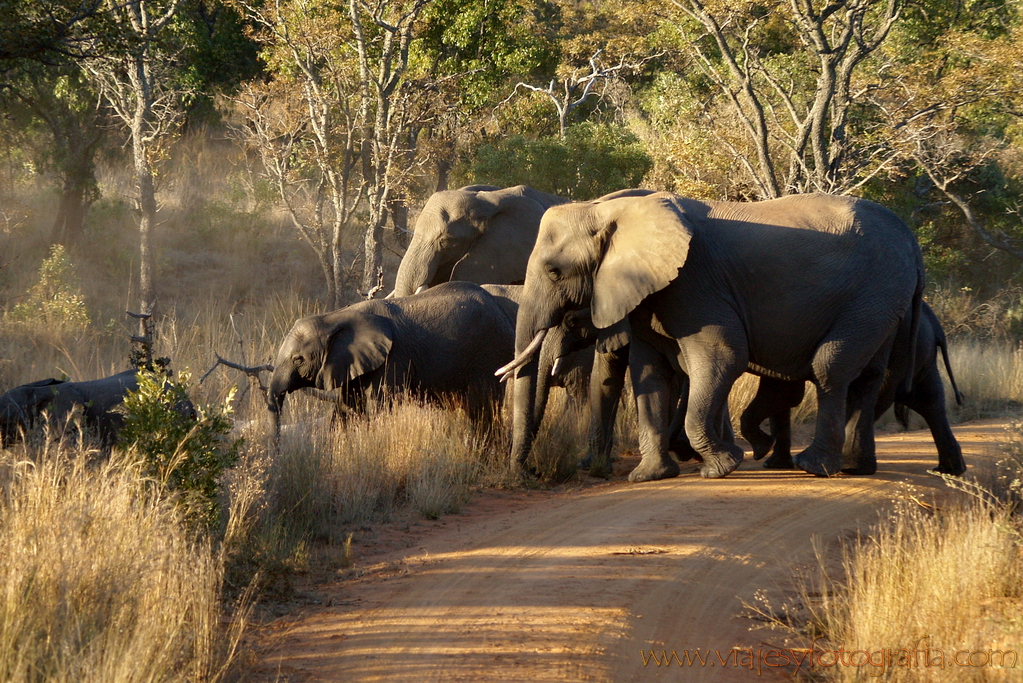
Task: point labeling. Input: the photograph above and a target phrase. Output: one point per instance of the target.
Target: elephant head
(479, 234)
(607, 255)
(343, 348)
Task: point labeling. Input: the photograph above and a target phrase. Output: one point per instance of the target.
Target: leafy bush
(593, 160)
(54, 300)
(183, 448)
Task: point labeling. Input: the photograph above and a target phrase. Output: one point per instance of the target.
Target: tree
(337, 123)
(63, 109)
(788, 75)
(139, 86)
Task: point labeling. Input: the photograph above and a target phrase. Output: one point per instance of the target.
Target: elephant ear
(646, 243)
(355, 348)
(508, 223)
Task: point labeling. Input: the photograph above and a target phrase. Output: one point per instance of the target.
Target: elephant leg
(607, 381)
(651, 381)
(710, 382)
(678, 442)
(928, 399)
(847, 357)
(773, 400)
(781, 428)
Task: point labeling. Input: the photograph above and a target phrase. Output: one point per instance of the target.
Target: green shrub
(592, 160)
(54, 300)
(185, 451)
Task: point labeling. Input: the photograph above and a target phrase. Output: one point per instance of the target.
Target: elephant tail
(942, 344)
(916, 311)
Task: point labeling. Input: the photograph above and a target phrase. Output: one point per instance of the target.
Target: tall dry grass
(99, 578)
(947, 583)
(325, 482)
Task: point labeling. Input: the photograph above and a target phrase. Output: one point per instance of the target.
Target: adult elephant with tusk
(806, 287)
(478, 233)
(445, 343)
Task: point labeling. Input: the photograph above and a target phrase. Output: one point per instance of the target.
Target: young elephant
(22, 408)
(443, 343)
(775, 398)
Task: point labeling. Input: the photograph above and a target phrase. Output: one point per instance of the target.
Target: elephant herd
(683, 295)
(520, 289)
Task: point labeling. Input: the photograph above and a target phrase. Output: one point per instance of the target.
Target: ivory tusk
(523, 357)
(420, 289)
(557, 366)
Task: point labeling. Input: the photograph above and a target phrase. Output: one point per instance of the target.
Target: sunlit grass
(99, 578)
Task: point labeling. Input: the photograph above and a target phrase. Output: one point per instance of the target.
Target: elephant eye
(296, 360)
(554, 273)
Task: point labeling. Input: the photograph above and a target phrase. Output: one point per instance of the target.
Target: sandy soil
(573, 585)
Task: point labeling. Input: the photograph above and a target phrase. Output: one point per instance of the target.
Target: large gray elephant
(807, 287)
(443, 343)
(775, 398)
(24, 407)
(478, 233)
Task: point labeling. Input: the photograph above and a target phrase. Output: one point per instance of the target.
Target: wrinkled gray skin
(479, 233)
(775, 398)
(22, 408)
(807, 287)
(444, 343)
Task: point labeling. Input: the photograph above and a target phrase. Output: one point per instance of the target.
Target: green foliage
(488, 43)
(593, 160)
(185, 452)
(54, 301)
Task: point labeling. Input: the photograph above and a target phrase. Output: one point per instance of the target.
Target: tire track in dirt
(574, 586)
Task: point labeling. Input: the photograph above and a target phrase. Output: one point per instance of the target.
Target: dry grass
(948, 582)
(326, 481)
(990, 374)
(99, 580)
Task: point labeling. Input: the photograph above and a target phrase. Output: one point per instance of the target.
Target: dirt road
(574, 586)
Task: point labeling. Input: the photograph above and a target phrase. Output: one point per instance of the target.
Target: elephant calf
(443, 343)
(24, 407)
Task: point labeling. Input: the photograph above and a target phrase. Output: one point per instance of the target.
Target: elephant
(775, 398)
(478, 233)
(442, 344)
(25, 406)
(804, 287)
(575, 338)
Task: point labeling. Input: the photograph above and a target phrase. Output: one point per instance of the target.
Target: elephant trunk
(418, 269)
(530, 392)
(275, 404)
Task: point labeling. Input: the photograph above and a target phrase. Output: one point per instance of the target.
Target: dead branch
(252, 371)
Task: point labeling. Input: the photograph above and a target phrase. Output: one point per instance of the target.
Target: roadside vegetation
(272, 177)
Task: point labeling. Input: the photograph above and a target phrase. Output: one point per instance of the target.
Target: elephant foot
(861, 470)
(652, 469)
(954, 470)
(814, 460)
(779, 461)
(761, 444)
(721, 463)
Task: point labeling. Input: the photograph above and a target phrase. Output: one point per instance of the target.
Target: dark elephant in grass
(775, 398)
(25, 407)
(442, 344)
(478, 233)
(802, 288)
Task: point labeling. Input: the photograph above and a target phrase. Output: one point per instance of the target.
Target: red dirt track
(573, 585)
